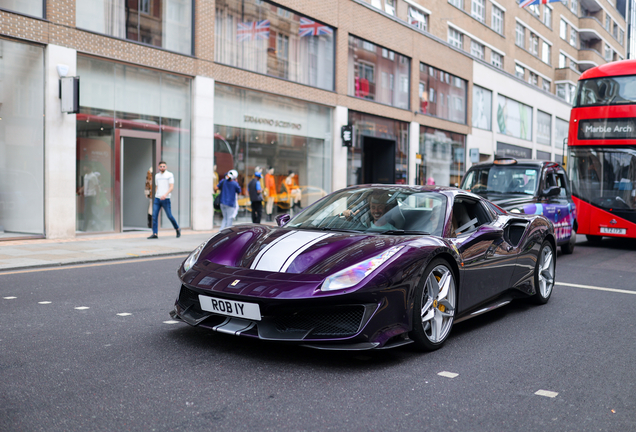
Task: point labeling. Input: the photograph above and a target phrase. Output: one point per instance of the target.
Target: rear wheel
(434, 308)
(593, 238)
(544, 273)
(568, 248)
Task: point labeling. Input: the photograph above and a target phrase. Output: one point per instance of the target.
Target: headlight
(354, 274)
(194, 256)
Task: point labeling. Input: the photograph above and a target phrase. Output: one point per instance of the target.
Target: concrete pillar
(202, 147)
(59, 149)
(339, 157)
(414, 148)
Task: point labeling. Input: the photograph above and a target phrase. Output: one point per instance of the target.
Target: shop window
(161, 23)
(115, 100)
(482, 108)
(365, 58)
(448, 85)
(21, 139)
(514, 118)
(443, 157)
(33, 8)
(272, 40)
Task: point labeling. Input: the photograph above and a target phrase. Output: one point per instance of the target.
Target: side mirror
(282, 219)
(552, 191)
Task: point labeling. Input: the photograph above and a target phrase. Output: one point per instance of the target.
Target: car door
(488, 257)
(558, 208)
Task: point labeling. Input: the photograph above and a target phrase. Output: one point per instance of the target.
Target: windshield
(510, 179)
(388, 210)
(605, 177)
(606, 91)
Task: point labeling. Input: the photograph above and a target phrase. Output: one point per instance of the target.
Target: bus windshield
(502, 179)
(604, 177)
(606, 91)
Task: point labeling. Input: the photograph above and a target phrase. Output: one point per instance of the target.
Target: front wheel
(434, 308)
(544, 273)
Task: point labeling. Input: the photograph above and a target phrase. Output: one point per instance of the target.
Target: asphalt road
(92, 348)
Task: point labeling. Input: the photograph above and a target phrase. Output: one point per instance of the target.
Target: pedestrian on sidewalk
(164, 184)
(255, 190)
(229, 189)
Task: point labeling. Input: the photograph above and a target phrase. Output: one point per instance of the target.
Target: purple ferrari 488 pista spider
(373, 266)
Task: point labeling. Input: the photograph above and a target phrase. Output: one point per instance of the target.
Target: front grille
(188, 297)
(339, 321)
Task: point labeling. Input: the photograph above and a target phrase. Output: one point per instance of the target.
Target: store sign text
(272, 122)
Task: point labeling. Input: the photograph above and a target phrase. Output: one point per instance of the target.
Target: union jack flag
(312, 28)
(255, 30)
(524, 3)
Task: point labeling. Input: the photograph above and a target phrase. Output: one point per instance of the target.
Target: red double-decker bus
(602, 151)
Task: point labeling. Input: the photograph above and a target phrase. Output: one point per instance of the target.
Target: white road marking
(596, 288)
(448, 374)
(9, 298)
(546, 393)
(44, 302)
(82, 307)
(124, 314)
(171, 322)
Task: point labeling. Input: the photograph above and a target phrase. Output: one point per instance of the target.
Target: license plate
(607, 230)
(230, 308)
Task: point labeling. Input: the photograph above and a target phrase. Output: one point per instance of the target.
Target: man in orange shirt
(270, 190)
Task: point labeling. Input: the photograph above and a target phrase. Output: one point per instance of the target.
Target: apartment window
(534, 44)
(615, 31)
(621, 36)
(496, 60)
(563, 30)
(547, 16)
(574, 7)
(161, 23)
(546, 85)
(379, 74)
(477, 50)
(376, 3)
(608, 22)
(608, 53)
(565, 91)
(563, 61)
(273, 41)
(497, 20)
(573, 38)
(457, 3)
(520, 72)
(520, 35)
(533, 78)
(418, 19)
(455, 38)
(478, 10)
(534, 9)
(545, 52)
(389, 7)
(28, 7)
(447, 94)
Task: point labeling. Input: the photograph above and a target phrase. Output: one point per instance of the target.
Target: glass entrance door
(138, 155)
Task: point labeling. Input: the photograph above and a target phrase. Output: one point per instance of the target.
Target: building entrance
(138, 153)
(378, 158)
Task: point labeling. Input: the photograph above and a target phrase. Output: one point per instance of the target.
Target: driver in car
(378, 209)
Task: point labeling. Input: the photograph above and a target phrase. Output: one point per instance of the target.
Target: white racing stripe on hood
(279, 254)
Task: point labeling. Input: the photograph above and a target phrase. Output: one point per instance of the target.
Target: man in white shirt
(164, 183)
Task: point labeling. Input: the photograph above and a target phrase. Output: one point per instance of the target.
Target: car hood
(286, 250)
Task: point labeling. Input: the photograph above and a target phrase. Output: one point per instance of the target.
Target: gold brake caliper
(436, 304)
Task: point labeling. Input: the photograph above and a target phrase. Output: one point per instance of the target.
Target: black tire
(568, 248)
(544, 274)
(594, 239)
(432, 327)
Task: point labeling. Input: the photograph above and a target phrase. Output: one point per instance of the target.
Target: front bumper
(354, 326)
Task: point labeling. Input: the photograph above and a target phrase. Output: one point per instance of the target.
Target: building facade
(210, 85)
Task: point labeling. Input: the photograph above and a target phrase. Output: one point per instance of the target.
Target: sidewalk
(21, 254)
